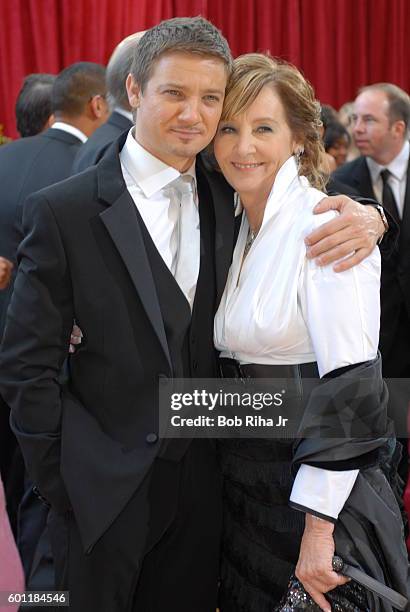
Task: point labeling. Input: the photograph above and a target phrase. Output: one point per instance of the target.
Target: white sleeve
(323, 492)
(342, 313)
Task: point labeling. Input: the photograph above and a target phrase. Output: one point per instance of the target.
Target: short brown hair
(75, 86)
(185, 34)
(399, 101)
(251, 72)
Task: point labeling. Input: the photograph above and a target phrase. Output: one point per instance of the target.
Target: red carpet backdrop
(339, 44)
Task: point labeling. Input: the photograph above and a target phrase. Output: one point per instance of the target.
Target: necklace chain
(249, 241)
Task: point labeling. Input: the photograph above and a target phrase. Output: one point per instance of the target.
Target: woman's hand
(353, 234)
(5, 272)
(314, 568)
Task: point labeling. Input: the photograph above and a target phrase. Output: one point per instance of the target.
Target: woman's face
(339, 150)
(252, 146)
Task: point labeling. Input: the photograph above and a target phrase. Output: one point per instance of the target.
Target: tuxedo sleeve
(390, 240)
(35, 345)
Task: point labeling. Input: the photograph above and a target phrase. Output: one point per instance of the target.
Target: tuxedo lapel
(122, 224)
(363, 180)
(404, 248)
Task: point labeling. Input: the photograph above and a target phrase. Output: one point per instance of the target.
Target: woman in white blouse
(280, 308)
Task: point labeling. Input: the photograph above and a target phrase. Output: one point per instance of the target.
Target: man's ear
(133, 91)
(49, 122)
(99, 107)
(399, 128)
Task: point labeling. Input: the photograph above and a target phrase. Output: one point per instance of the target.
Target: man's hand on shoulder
(6, 268)
(352, 235)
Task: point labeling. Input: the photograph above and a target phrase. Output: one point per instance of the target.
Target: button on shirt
(397, 180)
(278, 307)
(168, 204)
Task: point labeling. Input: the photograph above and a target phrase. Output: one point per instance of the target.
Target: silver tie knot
(184, 184)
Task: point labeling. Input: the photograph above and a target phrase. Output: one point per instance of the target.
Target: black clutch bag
(349, 597)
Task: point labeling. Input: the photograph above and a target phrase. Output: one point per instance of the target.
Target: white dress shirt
(70, 129)
(282, 308)
(397, 179)
(168, 204)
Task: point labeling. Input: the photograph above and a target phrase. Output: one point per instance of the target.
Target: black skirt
(262, 534)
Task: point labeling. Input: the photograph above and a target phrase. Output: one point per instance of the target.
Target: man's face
(179, 110)
(374, 134)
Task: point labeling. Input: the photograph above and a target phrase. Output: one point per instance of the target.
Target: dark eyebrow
(220, 92)
(170, 84)
(173, 85)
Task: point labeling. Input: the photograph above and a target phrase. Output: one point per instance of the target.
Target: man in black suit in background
(118, 69)
(33, 104)
(27, 165)
(381, 123)
(33, 115)
(135, 520)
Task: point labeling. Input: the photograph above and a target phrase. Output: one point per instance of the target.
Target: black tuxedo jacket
(356, 174)
(83, 257)
(95, 147)
(27, 165)
(395, 287)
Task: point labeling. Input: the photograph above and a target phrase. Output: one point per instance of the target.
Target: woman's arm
(314, 567)
(342, 312)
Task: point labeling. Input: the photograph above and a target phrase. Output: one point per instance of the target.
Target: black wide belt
(230, 368)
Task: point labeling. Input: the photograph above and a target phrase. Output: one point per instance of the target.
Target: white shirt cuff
(323, 491)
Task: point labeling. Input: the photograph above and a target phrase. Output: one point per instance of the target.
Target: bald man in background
(120, 120)
(381, 128)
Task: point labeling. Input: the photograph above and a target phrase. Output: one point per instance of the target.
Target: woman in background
(336, 140)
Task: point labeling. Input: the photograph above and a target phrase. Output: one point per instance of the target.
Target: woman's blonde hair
(251, 72)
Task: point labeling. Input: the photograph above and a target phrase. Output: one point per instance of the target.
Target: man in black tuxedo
(27, 165)
(118, 69)
(381, 118)
(135, 520)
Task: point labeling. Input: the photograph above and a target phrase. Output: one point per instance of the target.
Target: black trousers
(11, 465)
(174, 519)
